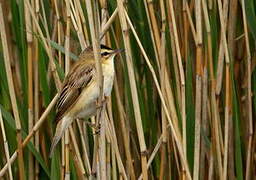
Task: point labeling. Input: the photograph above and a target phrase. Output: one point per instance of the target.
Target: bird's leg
(97, 129)
(103, 102)
(93, 126)
(90, 124)
(98, 106)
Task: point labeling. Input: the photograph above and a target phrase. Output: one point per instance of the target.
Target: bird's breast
(108, 74)
(86, 105)
(91, 95)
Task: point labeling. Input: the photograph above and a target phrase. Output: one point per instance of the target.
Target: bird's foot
(97, 129)
(103, 102)
(90, 124)
(94, 126)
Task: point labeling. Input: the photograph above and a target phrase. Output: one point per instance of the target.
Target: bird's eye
(104, 54)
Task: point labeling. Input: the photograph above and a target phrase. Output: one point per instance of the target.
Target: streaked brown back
(78, 78)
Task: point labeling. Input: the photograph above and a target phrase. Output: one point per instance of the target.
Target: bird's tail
(60, 129)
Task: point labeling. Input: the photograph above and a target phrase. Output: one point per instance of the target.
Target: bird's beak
(117, 51)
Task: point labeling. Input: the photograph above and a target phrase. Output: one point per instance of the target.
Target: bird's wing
(79, 77)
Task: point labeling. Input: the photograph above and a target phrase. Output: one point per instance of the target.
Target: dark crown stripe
(105, 47)
(89, 48)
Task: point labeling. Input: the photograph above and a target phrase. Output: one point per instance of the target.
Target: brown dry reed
(183, 101)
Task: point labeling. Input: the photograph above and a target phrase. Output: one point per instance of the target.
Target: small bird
(79, 93)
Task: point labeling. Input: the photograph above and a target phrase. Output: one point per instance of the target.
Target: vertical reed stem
(6, 148)
(12, 95)
(136, 107)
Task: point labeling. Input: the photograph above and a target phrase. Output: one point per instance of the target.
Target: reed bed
(183, 102)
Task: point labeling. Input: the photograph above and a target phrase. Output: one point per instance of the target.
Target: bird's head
(106, 53)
